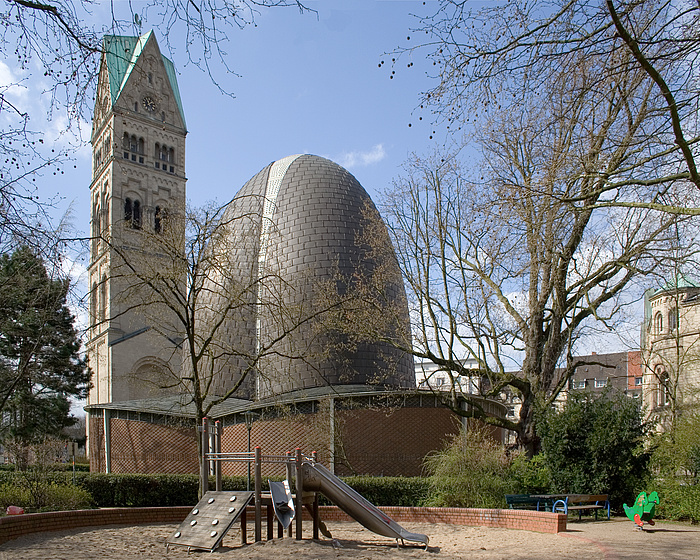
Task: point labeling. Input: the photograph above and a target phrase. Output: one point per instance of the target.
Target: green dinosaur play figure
(643, 509)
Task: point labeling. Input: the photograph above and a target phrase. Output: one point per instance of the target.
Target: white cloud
(362, 159)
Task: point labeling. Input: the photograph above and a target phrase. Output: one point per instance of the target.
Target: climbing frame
(206, 525)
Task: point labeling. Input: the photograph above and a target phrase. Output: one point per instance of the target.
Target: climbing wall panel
(209, 521)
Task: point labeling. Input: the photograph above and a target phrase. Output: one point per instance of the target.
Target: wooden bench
(581, 503)
(527, 501)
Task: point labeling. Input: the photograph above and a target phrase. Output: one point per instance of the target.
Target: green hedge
(158, 490)
(678, 502)
(391, 490)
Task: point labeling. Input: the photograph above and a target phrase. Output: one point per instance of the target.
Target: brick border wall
(528, 520)
(14, 526)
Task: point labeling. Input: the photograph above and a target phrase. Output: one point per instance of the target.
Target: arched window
(658, 323)
(125, 145)
(673, 319)
(136, 218)
(104, 220)
(165, 158)
(664, 387)
(95, 227)
(93, 305)
(103, 298)
(133, 147)
(159, 219)
(128, 211)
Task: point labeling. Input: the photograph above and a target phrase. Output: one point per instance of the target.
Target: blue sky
(307, 83)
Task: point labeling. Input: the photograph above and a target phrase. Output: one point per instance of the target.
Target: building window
(136, 218)
(165, 158)
(133, 147)
(132, 213)
(664, 387)
(637, 381)
(128, 210)
(93, 305)
(578, 383)
(673, 319)
(160, 217)
(658, 323)
(600, 383)
(103, 299)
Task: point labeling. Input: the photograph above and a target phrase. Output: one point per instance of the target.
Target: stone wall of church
(671, 350)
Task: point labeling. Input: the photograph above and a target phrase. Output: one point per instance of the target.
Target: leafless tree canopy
(581, 122)
(63, 40)
(507, 53)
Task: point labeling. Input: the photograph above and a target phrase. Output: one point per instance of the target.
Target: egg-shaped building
(304, 233)
(300, 251)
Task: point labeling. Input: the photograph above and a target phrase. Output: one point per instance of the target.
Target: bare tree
(222, 316)
(512, 257)
(63, 39)
(501, 55)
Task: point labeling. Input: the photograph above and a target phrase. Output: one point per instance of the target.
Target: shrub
(595, 445)
(391, 490)
(676, 463)
(531, 476)
(159, 490)
(13, 495)
(45, 497)
(678, 502)
(472, 471)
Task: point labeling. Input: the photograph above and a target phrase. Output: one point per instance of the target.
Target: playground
(255, 524)
(610, 540)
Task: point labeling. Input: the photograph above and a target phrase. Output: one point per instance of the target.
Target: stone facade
(138, 179)
(671, 349)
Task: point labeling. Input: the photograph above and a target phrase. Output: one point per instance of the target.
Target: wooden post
(314, 509)
(270, 518)
(217, 450)
(204, 470)
(290, 456)
(299, 483)
(244, 526)
(258, 492)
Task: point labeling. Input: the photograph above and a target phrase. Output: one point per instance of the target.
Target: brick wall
(378, 441)
(393, 441)
(15, 526)
(527, 520)
(143, 447)
(12, 527)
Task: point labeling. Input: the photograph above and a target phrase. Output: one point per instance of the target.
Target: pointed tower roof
(121, 53)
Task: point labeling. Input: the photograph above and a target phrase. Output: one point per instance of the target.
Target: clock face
(149, 104)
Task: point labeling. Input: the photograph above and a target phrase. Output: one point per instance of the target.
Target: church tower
(138, 181)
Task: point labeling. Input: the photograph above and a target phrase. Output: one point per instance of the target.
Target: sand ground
(610, 540)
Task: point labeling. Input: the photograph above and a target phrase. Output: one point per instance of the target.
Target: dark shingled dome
(309, 213)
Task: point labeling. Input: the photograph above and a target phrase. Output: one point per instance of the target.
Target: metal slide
(282, 502)
(318, 478)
